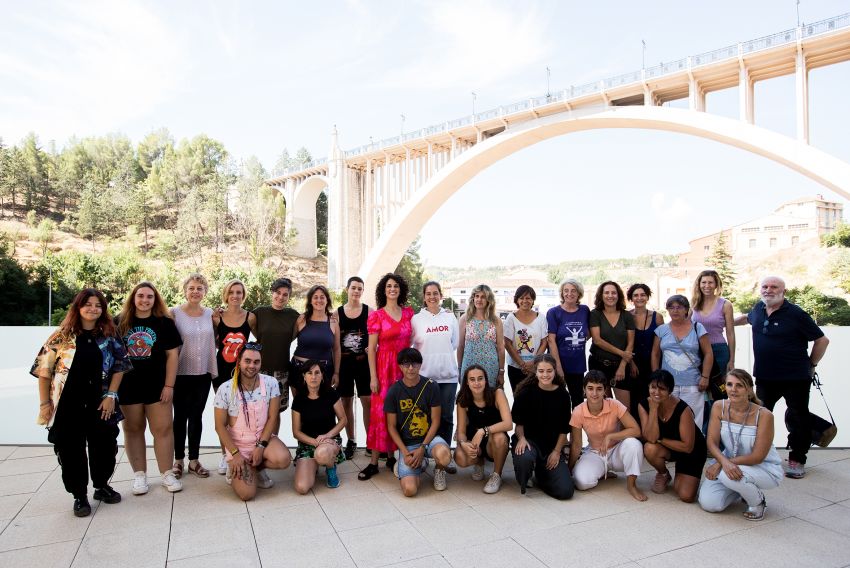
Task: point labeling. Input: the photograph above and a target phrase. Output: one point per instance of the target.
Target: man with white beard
(783, 366)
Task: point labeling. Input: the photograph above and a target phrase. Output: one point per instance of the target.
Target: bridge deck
(371, 524)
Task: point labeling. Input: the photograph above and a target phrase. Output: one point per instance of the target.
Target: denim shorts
(405, 471)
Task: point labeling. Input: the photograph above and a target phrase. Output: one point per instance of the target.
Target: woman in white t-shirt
(526, 334)
(435, 335)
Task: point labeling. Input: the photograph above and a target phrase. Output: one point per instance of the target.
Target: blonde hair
(490, 310)
(226, 290)
(747, 379)
(196, 277)
(697, 297)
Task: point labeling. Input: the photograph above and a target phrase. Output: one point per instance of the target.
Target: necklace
(736, 439)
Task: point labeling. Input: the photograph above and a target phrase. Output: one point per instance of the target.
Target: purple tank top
(714, 322)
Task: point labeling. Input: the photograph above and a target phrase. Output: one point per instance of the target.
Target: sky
(264, 76)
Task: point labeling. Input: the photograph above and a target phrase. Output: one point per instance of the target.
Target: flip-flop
(368, 472)
(199, 470)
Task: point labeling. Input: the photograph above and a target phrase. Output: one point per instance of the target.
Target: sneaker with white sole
(477, 472)
(140, 483)
(171, 483)
(228, 476)
(451, 468)
(263, 480)
(222, 465)
(794, 469)
(439, 479)
(493, 484)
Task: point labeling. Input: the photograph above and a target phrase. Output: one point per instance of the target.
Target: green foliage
(257, 283)
(840, 237)
(32, 218)
(742, 300)
(721, 261)
(18, 298)
(412, 270)
(45, 233)
(824, 309)
(322, 220)
(838, 268)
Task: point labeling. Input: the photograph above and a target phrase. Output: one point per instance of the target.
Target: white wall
(19, 394)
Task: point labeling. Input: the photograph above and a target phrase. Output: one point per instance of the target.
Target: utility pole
(798, 13)
(643, 55)
(548, 76)
(474, 96)
(402, 125)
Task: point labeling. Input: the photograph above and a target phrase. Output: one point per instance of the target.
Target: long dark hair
(308, 365)
(621, 298)
(72, 324)
(531, 380)
(128, 311)
(308, 311)
(465, 398)
(381, 289)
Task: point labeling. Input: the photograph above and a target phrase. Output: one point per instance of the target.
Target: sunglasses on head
(253, 346)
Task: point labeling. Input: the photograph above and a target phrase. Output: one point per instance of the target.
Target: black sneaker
(82, 507)
(350, 446)
(107, 495)
(382, 456)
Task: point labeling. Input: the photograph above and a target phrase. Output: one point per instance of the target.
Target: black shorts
(138, 389)
(689, 464)
(354, 371)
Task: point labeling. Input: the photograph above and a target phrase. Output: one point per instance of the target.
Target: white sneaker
(439, 479)
(477, 472)
(228, 477)
(263, 480)
(140, 483)
(170, 482)
(222, 465)
(494, 483)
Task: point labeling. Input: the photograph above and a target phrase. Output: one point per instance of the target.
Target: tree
(411, 269)
(721, 261)
(838, 268)
(33, 172)
(44, 234)
(825, 310)
(840, 237)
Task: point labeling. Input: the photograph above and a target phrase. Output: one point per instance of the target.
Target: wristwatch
(262, 444)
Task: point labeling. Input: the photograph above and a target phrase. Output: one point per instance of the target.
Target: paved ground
(371, 524)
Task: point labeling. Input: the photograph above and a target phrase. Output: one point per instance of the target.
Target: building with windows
(504, 290)
(790, 225)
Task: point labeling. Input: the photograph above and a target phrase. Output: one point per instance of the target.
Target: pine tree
(721, 261)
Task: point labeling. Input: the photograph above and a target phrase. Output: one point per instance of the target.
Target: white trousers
(694, 398)
(717, 494)
(592, 466)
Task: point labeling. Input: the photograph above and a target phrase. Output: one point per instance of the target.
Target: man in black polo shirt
(783, 366)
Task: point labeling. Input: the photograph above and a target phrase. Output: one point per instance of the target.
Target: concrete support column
(745, 91)
(648, 99)
(696, 96)
(802, 91)
(407, 174)
(454, 146)
(430, 171)
(369, 208)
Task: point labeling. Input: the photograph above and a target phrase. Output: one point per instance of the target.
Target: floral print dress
(393, 336)
(479, 348)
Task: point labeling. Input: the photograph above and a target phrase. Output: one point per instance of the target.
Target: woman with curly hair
(147, 391)
(482, 336)
(81, 366)
(612, 330)
(390, 331)
(317, 331)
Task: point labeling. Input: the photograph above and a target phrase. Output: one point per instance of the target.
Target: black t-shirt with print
(400, 401)
(147, 340)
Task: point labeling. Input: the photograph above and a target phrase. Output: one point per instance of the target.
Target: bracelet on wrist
(46, 402)
(234, 451)
(169, 386)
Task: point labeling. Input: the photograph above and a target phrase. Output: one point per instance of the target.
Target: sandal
(756, 513)
(368, 472)
(199, 470)
(661, 482)
(178, 469)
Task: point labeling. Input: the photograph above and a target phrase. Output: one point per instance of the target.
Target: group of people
(666, 392)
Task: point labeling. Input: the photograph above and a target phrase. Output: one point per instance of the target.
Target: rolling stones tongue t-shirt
(147, 340)
(230, 340)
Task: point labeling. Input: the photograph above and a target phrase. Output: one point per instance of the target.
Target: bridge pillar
(345, 217)
(745, 91)
(696, 96)
(802, 88)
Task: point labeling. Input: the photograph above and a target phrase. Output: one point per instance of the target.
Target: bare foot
(636, 493)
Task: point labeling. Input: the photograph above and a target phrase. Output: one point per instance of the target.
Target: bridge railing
(727, 52)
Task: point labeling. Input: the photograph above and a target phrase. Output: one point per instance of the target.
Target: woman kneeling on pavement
(246, 414)
(612, 436)
(483, 423)
(541, 412)
(667, 426)
(748, 462)
(318, 417)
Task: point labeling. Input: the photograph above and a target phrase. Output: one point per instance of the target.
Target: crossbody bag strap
(409, 414)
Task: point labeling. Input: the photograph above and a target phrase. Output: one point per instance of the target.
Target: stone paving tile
(327, 551)
(299, 521)
(28, 465)
(830, 481)
(17, 484)
(436, 561)
(787, 542)
(119, 543)
(212, 537)
(31, 452)
(356, 512)
(11, 505)
(456, 529)
(349, 486)
(505, 553)
(6, 451)
(389, 543)
(56, 555)
(242, 557)
(44, 529)
(593, 542)
(834, 517)
(426, 502)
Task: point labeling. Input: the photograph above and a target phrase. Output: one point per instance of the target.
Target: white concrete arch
(407, 224)
(303, 218)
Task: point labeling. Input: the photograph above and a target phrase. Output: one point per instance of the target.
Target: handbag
(823, 431)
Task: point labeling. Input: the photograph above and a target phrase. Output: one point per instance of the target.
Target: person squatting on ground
(671, 435)
(612, 438)
(748, 461)
(412, 407)
(541, 412)
(483, 423)
(79, 371)
(782, 364)
(152, 340)
(246, 409)
(317, 419)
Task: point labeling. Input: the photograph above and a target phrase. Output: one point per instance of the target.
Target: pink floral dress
(393, 336)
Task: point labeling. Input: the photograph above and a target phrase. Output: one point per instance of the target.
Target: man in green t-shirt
(274, 330)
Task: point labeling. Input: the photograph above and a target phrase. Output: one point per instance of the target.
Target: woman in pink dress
(389, 332)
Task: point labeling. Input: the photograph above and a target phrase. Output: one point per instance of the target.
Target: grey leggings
(716, 495)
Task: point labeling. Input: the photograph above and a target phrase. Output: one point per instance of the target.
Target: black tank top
(229, 341)
(669, 430)
(480, 417)
(353, 334)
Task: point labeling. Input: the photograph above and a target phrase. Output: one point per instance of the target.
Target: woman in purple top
(568, 331)
(715, 314)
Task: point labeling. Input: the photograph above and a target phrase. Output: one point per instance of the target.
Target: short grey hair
(573, 282)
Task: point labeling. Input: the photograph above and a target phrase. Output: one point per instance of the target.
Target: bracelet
(168, 386)
(234, 451)
(45, 403)
(486, 430)
(262, 444)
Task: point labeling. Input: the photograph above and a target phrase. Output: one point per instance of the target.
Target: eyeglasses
(764, 327)
(675, 308)
(409, 365)
(252, 346)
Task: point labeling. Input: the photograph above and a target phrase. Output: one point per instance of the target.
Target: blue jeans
(448, 393)
(405, 471)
